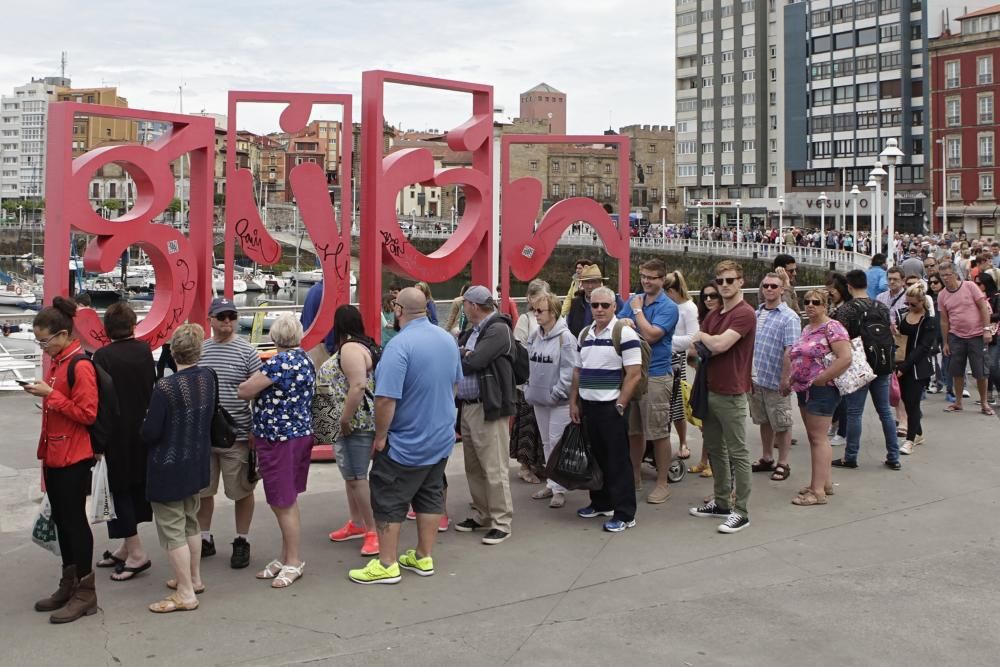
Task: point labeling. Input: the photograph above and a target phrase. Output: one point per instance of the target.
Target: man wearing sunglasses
(729, 334)
(234, 361)
(786, 270)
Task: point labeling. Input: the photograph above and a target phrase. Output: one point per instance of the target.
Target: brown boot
(83, 602)
(66, 586)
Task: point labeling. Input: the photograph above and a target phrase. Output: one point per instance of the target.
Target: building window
(654, 193)
(607, 187)
(607, 167)
(984, 69)
(590, 189)
(734, 193)
(953, 111)
(555, 165)
(727, 170)
(555, 189)
(572, 190)
(533, 165)
(649, 170)
(954, 152)
(651, 148)
(708, 170)
(889, 33)
(951, 74)
(985, 108)
(727, 146)
(772, 145)
(822, 97)
(749, 98)
(986, 150)
(772, 99)
(748, 144)
(749, 75)
(707, 148)
(749, 52)
(750, 168)
(774, 168)
(954, 187)
(706, 82)
(572, 167)
(867, 91)
(986, 186)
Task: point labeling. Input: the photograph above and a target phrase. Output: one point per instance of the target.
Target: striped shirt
(234, 362)
(601, 369)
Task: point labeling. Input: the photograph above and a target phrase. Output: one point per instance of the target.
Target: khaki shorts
(176, 521)
(233, 465)
(768, 406)
(650, 415)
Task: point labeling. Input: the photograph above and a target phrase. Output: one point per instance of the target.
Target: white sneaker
(919, 440)
(906, 447)
(933, 389)
(965, 393)
(838, 441)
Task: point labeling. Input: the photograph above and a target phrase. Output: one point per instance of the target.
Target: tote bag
(858, 374)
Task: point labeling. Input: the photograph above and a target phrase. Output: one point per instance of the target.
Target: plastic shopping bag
(572, 463)
(43, 532)
(102, 505)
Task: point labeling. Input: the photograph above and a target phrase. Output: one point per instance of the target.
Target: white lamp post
(872, 185)
(698, 206)
(891, 155)
(944, 187)
(854, 232)
(739, 218)
(781, 215)
(877, 174)
(823, 199)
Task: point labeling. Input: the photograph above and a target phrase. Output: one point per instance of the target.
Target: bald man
(415, 384)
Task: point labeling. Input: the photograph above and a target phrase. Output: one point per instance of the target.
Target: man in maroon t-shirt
(728, 334)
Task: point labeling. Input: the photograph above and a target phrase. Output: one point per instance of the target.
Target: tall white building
(729, 123)
(23, 122)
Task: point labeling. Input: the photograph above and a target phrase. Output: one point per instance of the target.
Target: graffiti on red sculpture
(182, 263)
(525, 249)
(330, 237)
(383, 243)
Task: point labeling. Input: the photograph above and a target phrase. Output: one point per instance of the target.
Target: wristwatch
(620, 408)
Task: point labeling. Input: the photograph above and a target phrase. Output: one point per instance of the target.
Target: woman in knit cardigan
(177, 432)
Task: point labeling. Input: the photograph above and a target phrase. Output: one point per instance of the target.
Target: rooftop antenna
(62, 68)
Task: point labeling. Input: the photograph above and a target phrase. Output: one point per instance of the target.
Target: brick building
(545, 103)
(964, 89)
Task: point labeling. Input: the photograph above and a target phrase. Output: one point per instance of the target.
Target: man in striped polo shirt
(603, 385)
(234, 360)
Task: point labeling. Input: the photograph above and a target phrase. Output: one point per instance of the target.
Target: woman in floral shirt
(282, 429)
(812, 379)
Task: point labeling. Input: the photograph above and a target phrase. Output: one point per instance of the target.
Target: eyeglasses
(725, 281)
(770, 286)
(538, 311)
(222, 317)
(644, 276)
(395, 303)
(813, 302)
(711, 295)
(44, 342)
(600, 306)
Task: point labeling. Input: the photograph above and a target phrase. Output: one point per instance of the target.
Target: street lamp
(873, 186)
(454, 216)
(854, 232)
(698, 206)
(781, 215)
(877, 174)
(944, 187)
(823, 199)
(891, 155)
(20, 216)
(739, 218)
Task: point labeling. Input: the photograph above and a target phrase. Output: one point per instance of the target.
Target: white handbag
(858, 375)
(102, 505)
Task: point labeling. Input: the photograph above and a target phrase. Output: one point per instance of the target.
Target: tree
(175, 205)
(113, 206)
(220, 199)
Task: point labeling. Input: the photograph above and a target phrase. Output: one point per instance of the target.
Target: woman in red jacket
(67, 456)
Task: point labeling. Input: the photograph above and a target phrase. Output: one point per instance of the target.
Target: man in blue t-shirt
(415, 384)
(655, 317)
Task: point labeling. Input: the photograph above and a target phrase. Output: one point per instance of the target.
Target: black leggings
(68, 489)
(911, 389)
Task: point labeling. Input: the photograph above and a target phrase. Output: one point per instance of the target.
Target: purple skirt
(284, 468)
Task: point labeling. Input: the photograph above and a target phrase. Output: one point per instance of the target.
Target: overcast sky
(613, 58)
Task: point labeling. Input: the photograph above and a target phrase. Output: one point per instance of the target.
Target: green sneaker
(422, 566)
(376, 573)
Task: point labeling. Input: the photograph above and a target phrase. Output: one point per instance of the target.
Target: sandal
(828, 490)
(698, 467)
(808, 499)
(762, 465)
(132, 572)
(683, 453)
(953, 408)
(172, 585)
(288, 575)
(707, 472)
(271, 570)
(781, 472)
(108, 559)
(542, 494)
(172, 603)
(988, 411)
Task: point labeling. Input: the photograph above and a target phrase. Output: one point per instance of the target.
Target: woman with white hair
(283, 438)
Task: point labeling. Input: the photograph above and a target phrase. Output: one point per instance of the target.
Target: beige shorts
(176, 521)
(232, 465)
(768, 406)
(650, 414)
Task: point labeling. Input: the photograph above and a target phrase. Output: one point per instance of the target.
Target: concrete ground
(899, 568)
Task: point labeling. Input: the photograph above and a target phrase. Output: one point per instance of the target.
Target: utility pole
(180, 90)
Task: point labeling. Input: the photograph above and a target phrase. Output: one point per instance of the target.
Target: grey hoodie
(553, 358)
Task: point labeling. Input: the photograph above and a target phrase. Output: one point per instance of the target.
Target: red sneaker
(370, 546)
(348, 532)
(411, 515)
(444, 523)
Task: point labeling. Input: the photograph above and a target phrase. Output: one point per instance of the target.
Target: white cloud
(613, 56)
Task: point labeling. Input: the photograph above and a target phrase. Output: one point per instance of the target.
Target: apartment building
(855, 77)
(23, 123)
(729, 128)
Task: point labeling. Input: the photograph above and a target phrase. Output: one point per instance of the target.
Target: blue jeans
(879, 390)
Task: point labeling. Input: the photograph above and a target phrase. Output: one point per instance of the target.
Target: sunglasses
(711, 295)
(538, 311)
(222, 317)
(601, 306)
(725, 281)
(813, 302)
(770, 286)
(934, 282)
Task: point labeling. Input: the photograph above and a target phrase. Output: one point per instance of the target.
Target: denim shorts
(354, 454)
(820, 401)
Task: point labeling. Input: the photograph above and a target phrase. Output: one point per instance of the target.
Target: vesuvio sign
(183, 262)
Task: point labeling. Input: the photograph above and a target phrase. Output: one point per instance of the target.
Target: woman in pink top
(812, 380)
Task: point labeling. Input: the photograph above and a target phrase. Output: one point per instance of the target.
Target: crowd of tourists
(615, 367)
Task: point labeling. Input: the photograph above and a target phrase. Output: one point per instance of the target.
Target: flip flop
(682, 455)
(108, 559)
(132, 572)
(172, 603)
(953, 408)
(172, 585)
(988, 411)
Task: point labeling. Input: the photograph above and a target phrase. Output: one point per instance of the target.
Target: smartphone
(25, 383)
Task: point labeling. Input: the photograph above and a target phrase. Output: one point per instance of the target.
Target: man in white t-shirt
(603, 385)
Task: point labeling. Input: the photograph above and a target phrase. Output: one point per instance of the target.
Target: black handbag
(223, 425)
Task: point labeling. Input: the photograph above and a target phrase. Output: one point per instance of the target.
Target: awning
(969, 212)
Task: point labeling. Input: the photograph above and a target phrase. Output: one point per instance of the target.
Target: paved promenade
(899, 569)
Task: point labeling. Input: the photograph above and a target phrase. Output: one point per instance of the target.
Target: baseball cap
(221, 305)
(478, 295)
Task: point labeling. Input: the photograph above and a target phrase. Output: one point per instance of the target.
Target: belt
(467, 401)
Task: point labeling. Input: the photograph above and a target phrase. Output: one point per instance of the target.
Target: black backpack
(519, 361)
(103, 430)
(876, 336)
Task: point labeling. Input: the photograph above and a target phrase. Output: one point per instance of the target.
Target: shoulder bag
(223, 425)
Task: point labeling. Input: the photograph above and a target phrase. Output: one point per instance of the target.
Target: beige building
(654, 190)
(91, 132)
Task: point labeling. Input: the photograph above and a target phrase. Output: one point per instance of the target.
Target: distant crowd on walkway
(606, 370)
